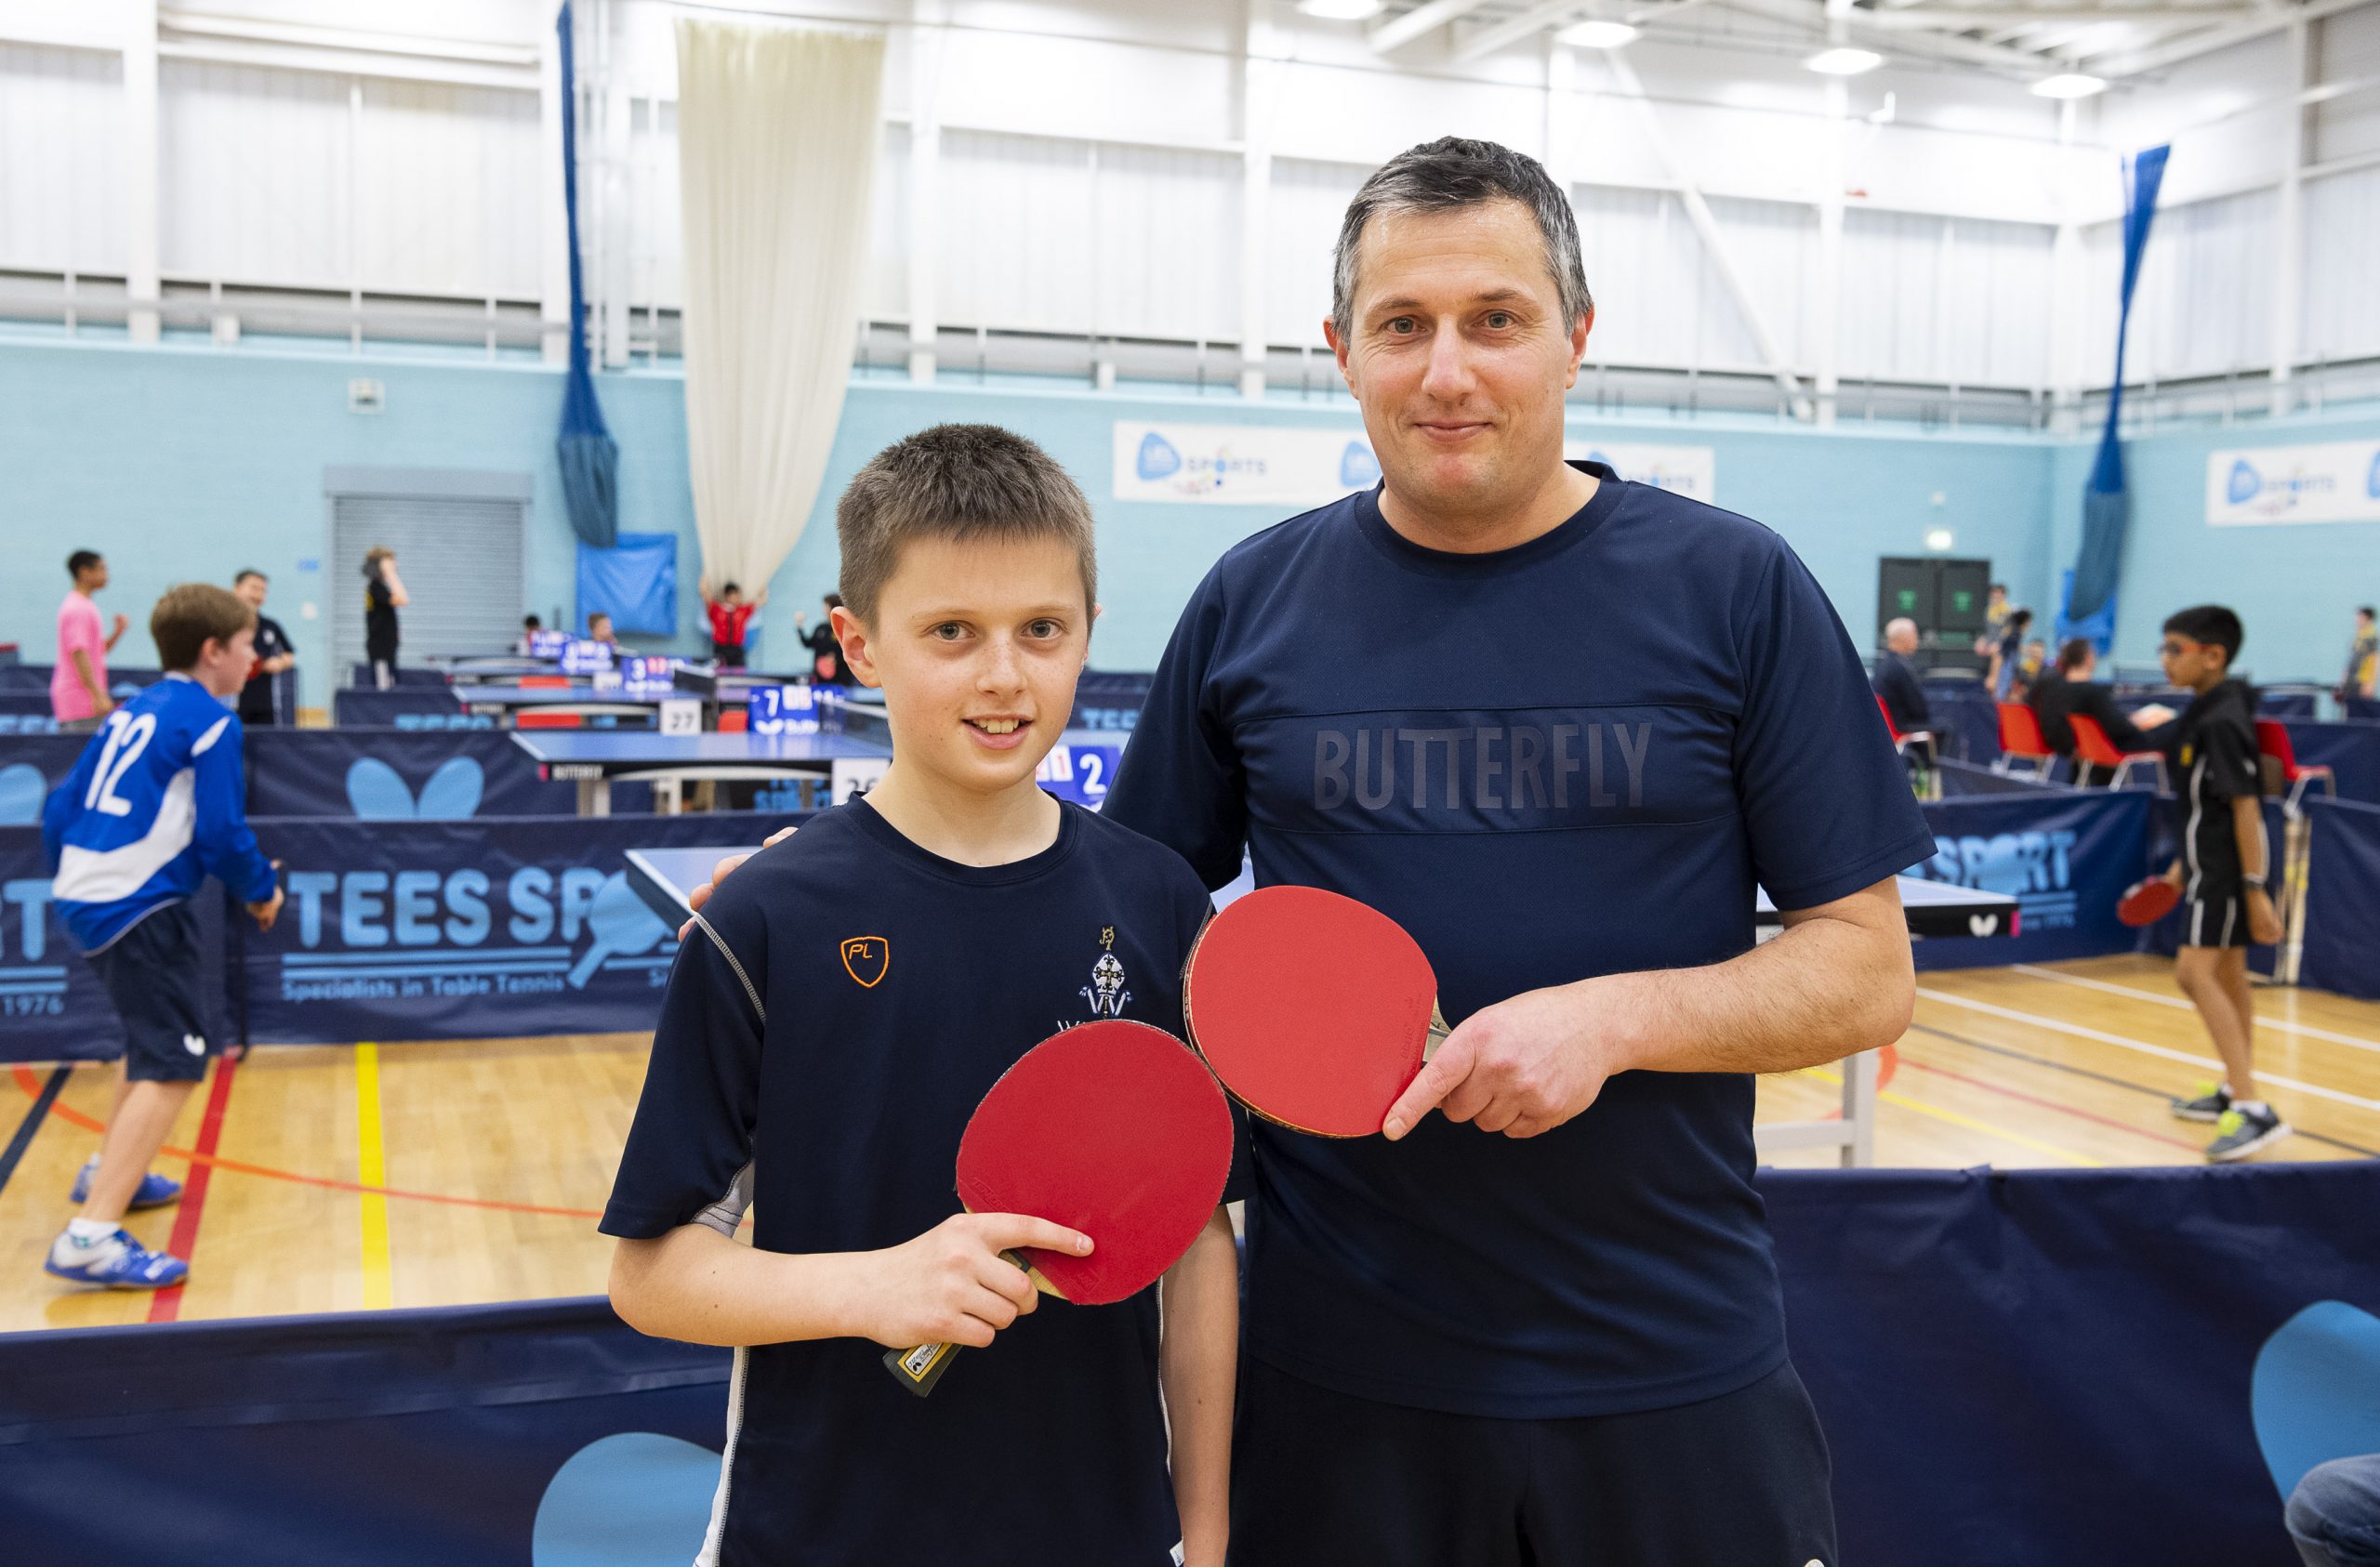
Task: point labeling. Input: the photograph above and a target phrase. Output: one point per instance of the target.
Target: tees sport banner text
(2337, 481)
(1280, 467)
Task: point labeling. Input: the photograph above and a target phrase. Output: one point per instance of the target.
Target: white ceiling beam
(1529, 20)
(2158, 56)
(1960, 19)
(1426, 17)
(1928, 43)
(200, 24)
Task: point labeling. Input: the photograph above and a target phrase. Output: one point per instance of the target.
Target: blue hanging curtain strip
(589, 456)
(2106, 507)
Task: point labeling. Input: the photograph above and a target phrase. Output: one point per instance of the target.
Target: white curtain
(777, 133)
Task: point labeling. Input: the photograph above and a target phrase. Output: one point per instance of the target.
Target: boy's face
(222, 667)
(93, 577)
(976, 647)
(734, 597)
(2195, 665)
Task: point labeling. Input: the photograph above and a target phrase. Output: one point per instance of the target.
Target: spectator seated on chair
(1896, 680)
(2072, 688)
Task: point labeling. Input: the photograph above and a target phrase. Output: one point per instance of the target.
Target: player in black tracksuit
(2221, 873)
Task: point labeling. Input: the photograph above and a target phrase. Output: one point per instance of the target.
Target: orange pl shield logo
(866, 957)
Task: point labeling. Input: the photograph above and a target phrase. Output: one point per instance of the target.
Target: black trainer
(2211, 1101)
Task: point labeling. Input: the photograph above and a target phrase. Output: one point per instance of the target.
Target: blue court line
(31, 1125)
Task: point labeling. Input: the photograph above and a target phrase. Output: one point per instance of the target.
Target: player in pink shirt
(78, 685)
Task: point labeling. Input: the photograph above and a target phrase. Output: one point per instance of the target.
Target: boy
(599, 630)
(150, 810)
(2362, 659)
(78, 684)
(729, 615)
(384, 595)
(2218, 788)
(834, 1017)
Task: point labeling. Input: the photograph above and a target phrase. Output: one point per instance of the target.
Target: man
(1897, 680)
(274, 652)
(2072, 689)
(2362, 659)
(2008, 657)
(1535, 1338)
(78, 685)
(1525, 1339)
(384, 595)
(1995, 619)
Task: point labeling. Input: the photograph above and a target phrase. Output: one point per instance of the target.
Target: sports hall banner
(385, 709)
(1240, 464)
(2336, 482)
(30, 766)
(403, 775)
(1691, 471)
(1110, 700)
(2352, 751)
(460, 930)
(2342, 899)
(52, 1008)
(2064, 855)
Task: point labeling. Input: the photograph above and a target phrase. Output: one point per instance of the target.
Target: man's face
(976, 647)
(93, 577)
(1901, 638)
(1459, 355)
(252, 589)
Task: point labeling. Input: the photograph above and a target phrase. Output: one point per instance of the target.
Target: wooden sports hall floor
(452, 1173)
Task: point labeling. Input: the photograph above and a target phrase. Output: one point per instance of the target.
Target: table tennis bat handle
(1439, 1029)
(919, 1369)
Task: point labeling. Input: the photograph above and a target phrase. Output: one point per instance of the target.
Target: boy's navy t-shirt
(1575, 756)
(896, 986)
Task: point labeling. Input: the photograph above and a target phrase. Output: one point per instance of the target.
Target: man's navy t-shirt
(825, 1076)
(1572, 757)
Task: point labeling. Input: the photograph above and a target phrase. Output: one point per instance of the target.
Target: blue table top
(652, 748)
(558, 696)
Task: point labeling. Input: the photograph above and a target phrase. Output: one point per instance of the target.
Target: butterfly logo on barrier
(22, 789)
(866, 960)
(375, 793)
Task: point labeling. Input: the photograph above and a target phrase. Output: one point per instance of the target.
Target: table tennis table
(673, 711)
(495, 669)
(594, 759)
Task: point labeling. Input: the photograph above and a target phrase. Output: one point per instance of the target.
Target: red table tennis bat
(1113, 1128)
(1316, 1010)
(2146, 902)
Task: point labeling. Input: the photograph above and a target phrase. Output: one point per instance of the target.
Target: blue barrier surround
(2027, 1366)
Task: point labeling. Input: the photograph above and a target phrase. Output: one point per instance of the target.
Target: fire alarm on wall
(366, 396)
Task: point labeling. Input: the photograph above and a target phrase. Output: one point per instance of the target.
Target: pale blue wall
(181, 462)
(2295, 586)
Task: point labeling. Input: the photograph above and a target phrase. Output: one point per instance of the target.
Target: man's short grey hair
(1455, 172)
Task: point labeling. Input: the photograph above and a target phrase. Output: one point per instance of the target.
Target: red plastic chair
(2092, 748)
(2272, 739)
(1920, 741)
(2021, 740)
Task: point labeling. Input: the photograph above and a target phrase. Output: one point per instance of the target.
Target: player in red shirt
(729, 614)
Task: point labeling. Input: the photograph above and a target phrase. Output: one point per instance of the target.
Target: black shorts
(730, 654)
(151, 973)
(2218, 918)
(1321, 1477)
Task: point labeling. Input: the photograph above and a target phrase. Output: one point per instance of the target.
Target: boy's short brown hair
(189, 614)
(961, 482)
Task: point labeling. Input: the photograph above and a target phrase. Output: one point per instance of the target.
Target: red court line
(2061, 1109)
(166, 1304)
(74, 1117)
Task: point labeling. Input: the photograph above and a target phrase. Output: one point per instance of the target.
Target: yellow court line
(1988, 1129)
(371, 1169)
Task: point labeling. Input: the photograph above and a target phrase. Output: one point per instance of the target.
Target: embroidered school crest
(1106, 993)
(865, 958)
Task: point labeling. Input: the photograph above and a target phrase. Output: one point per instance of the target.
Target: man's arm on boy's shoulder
(1198, 1363)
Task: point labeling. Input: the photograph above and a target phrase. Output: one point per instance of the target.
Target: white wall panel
(1302, 227)
(1996, 287)
(1648, 274)
(1165, 243)
(254, 175)
(1016, 215)
(2346, 48)
(1889, 311)
(449, 188)
(1775, 247)
(2205, 304)
(886, 291)
(61, 160)
(2342, 307)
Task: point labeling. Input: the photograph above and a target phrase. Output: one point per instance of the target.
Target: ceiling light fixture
(2069, 85)
(1596, 35)
(1843, 61)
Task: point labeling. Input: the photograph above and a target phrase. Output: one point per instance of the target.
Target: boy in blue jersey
(830, 1026)
(152, 809)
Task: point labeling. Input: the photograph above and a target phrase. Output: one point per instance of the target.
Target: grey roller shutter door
(460, 560)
